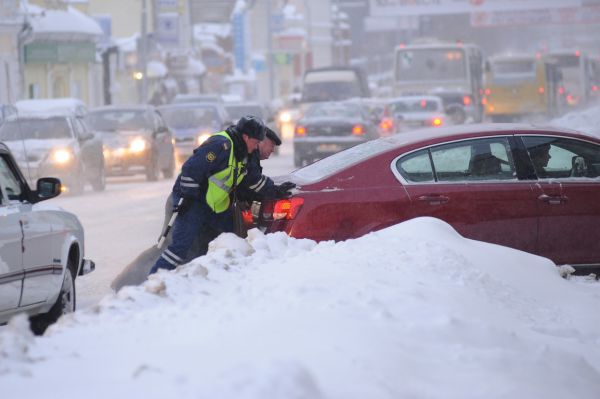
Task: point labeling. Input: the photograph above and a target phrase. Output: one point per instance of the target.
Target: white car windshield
(40, 129)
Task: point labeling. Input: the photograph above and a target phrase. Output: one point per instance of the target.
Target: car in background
(197, 98)
(7, 112)
(136, 140)
(238, 109)
(61, 146)
(484, 180)
(329, 127)
(415, 112)
(42, 250)
(192, 124)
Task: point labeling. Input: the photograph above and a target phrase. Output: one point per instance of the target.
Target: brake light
(387, 124)
(561, 90)
(287, 208)
(488, 92)
(594, 88)
(357, 130)
(467, 100)
(577, 53)
(300, 131)
(484, 101)
(541, 90)
(423, 103)
(437, 122)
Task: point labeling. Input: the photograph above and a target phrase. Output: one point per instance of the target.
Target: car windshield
(431, 64)
(190, 117)
(115, 120)
(334, 111)
(422, 105)
(237, 111)
(40, 129)
(341, 160)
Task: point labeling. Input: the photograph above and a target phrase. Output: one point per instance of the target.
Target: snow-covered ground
(412, 311)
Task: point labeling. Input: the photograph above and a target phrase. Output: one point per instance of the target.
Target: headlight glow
(285, 117)
(137, 145)
(202, 137)
(62, 156)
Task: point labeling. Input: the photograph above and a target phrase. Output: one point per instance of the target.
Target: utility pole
(270, 52)
(143, 61)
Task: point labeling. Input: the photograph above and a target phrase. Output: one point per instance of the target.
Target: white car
(415, 112)
(41, 249)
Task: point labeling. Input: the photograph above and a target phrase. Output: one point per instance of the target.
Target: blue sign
(167, 28)
(239, 41)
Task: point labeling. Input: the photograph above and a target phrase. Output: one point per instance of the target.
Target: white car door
(11, 236)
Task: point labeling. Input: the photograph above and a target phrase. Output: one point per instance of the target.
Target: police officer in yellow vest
(204, 187)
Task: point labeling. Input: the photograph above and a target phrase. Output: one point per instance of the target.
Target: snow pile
(411, 311)
(587, 121)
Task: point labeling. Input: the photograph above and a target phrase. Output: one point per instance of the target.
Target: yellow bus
(521, 87)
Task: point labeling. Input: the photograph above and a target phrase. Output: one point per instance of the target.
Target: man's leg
(185, 230)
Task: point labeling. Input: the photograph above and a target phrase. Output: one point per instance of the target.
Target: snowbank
(586, 121)
(412, 311)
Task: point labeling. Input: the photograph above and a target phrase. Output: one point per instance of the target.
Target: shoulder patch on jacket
(226, 145)
(211, 156)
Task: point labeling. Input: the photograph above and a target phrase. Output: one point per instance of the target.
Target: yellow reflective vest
(221, 183)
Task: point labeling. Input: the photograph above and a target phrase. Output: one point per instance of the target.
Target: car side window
(10, 182)
(416, 167)
(562, 158)
(474, 160)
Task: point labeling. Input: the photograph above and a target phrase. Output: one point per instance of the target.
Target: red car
(536, 189)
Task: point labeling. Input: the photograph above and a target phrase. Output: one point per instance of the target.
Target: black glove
(284, 189)
(184, 205)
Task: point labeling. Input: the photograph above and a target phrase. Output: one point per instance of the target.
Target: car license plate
(328, 148)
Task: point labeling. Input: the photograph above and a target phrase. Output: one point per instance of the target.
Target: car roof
(414, 98)
(202, 104)
(439, 134)
(123, 108)
(51, 106)
(4, 148)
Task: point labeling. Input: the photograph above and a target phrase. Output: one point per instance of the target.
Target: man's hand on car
(284, 189)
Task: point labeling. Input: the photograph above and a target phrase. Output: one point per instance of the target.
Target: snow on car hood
(122, 138)
(413, 310)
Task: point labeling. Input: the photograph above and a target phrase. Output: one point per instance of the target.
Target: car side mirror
(47, 187)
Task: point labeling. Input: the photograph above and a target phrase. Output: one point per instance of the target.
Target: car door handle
(553, 199)
(434, 199)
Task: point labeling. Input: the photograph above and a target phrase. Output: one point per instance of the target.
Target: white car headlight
(61, 156)
(137, 145)
(285, 117)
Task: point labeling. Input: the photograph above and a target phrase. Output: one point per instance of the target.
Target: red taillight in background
(594, 88)
(386, 125)
(488, 92)
(300, 130)
(436, 122)
(467, 100)
(541, 90)
(287, 208)
(561, 90)
(357, 130)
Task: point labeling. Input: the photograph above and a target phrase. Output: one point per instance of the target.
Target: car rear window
(341, 160)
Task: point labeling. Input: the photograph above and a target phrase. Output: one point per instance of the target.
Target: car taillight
(594, 88)
(541, 90)
(386, 124)
(437, 122)
(488, 92)
(357, 130)
(287, 208)
(300, 130)
(466, 100)
(561, 90)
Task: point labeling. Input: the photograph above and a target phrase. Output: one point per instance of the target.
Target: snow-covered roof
(49, 107)
(156, 69)
(71, 21)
